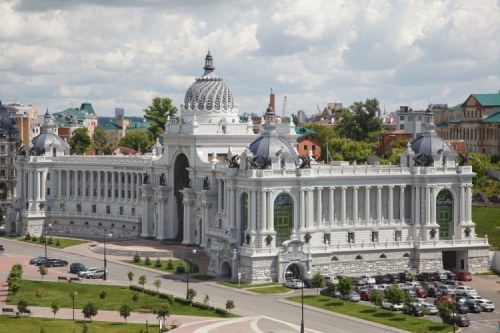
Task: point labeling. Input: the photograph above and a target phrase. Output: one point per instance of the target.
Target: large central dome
(209, 92)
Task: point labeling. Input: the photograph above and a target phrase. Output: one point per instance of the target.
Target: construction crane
(284, 108)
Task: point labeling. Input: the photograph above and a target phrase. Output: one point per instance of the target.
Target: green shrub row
(222, 312)
(182, 301)
(203, 306)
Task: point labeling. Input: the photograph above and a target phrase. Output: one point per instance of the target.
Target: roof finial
(209, 64)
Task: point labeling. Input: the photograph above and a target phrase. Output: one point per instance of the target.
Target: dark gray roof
(430, 144)
(271, 146)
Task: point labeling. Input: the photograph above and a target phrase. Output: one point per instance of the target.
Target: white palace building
(251, 203)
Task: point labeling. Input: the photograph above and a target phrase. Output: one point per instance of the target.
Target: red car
(365, 295)
(464, 276)
(421, 292)
(443, 298)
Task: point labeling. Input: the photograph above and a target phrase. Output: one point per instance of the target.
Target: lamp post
(49, 226)
(105, 276)
(302, 298)
(73, 295)
(188, 266)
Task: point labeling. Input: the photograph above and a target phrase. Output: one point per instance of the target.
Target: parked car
(446, 290)
(56, 262)
(473, 307)
(441, 276)
(33, 261)
(426, 276)
(353, 297)
(433, 310)
(1, 248)
(331, 279)
(77, 267)
(444, 298)
(326, 292)
(294, 283)
(459, 319)
(394, 307)
(88, 271)
(464, 276)
(369, 279)
(451, 275)
(393, 278)
(97, 274)
(474, 298)
(413, 310)
(381, 279)
(365, 295)
(486, 305)
(421, 292)
(405, 276)
(461, 308)
(432, 292)
(465, 290)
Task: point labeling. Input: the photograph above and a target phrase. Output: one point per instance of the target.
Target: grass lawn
(270, 290)
(487, 221)
(381, 316)
(59, 292)
(30, 325)
(63, 242)
(245, 285)
(169, 265)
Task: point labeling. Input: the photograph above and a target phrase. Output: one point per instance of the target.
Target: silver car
(294, 284)
(97, 274)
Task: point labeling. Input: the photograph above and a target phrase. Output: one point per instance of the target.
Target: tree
(408, 300)
(317, 281)
(80, 141)
(55, 308)
(163, 311)
(103, 294)
(89, 310)
(137, 257)
(191, 293)
(157, 284)
(158, 263)
(157, 113)
(22, 306)
(143, 280)
(14, 284)
(147, 261)
(360, 120)
(445, 309)
(85, 328)
(137, 140)
(229, 305)
(206, 300)
(43, 271)
(377, 297)
(125, 311)
(345, 286)
(135, 296)
(100, 137)
(395, 295)
(130, 276)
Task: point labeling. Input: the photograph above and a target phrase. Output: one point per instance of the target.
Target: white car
(294, 284)
(97, 274)
(393, 307)
(368, 279)
(331, 280)
(88, 271)
(433, 310)
(474, 298)
(466, 291)
(486, 305)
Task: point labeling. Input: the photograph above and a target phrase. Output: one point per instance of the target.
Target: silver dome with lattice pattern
(209, 92)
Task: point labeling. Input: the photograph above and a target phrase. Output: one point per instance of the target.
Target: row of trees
(157, 113)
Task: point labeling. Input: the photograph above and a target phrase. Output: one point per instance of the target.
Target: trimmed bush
(168, 297)
(182, 301)
(180, 269)
(135, 288)
(201, 306)
(147, 261)
(58, 242)
(222, 312)
(158, 263)
(50, 241)
(41, 239)
(137, 257)
(28, 236)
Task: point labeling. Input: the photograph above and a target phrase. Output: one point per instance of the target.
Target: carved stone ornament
(467, 232)
(269, 239)
(433, 233)
(307, 238)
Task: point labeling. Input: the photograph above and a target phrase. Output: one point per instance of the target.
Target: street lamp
(73, 295)
(105, 277)
(49, 226)
(302, 322)
(188, 266)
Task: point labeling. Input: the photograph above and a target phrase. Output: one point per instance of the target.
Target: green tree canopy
(80, 141)
(137, 140)
(395, 295)
(89, 310)
(125, 311)
(345, 286)
(157, 113)
(100, 137)
(360, 120)
(377, 298)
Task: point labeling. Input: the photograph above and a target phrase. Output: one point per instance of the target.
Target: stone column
(186, 222)
(161, 219)
(113, 186)
(331, 207)
(402, 204)
(219, 196)
(99, 186)
(310, 208)
(462, 204)
(468, 204)
(319, 206)
(427, 205)
(367, 205)
(92, 184)
(76, 173)
(127, 198)
(355, 205)
(391, 205)
(302, 209)
(379, 204)
(343, 206)
(433, 204)
(119, 174)
(417, 204)
(263, 212)
(68, 184)
(59, 184)
(254, 209)
(106, 185)
(270, 210)
(37, 185)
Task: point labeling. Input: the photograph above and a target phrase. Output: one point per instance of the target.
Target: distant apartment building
(9, 144)
(117, 127)
(72, 118)
(26, 120)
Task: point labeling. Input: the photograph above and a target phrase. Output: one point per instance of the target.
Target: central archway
(225, 270)
(181, 181)
(293, 271)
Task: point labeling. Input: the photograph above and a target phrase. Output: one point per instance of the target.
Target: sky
(55, 54)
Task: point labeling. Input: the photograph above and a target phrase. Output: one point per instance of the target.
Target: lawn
(170, 265)
(39, 293)
(270, 290)
(235, 284)
(30, 325)
(63, 242)
(381, 316)
(487, 221)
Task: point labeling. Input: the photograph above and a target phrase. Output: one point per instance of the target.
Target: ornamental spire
(209, 64)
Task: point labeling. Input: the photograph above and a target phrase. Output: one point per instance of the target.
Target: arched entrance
(225, 270)
(293, 271)
(181, 181)
(283, 217)
(444, 214)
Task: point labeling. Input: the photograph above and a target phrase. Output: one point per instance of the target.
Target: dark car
(34, 261)
(413, 310)
(473, 307)
(392, 278)
(432, 292)
(451, 276)
(327, 292)
(426, 276)
(405, 277)
(55, 262)
(461, 308)
(459, 320)
(77, 267)
(1, 248)
(365, 295)
(464, 276)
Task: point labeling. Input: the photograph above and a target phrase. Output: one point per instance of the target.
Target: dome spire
(209, 64)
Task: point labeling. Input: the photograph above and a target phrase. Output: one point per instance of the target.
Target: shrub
(158, 263)
(180, 269)
(50, 241)
(222, 312)
(201, 306)
(137, 257)
(135, 288)
(170, 265)
(34, 239)
(182, 301)
(147, 261)
(28, 236)
(168, 297)
(42, 239)
(58, 242)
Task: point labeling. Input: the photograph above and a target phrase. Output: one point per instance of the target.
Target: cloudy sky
(59, 53)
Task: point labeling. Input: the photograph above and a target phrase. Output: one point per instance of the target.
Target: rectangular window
(374, 236)
(419, 118)
(48, 175)
(108, 210)
(350, 237)
(48, 191)
(94, 209)
(78, 208)
(133, 211)
(402, 118)
(62, 206)
(397, 236)
(402, 127)
(305, 147)
(410, 118)
(121, 210)
(314, 147)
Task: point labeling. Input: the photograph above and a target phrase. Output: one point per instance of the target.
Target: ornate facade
(257, 208)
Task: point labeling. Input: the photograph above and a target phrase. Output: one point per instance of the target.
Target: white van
(369, 279)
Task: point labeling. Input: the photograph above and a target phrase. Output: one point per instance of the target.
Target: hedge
(222, 312)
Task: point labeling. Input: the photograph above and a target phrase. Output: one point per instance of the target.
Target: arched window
(283, 217)
(383, 256)
(359, 257)
(335, 258)
(406, 255)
